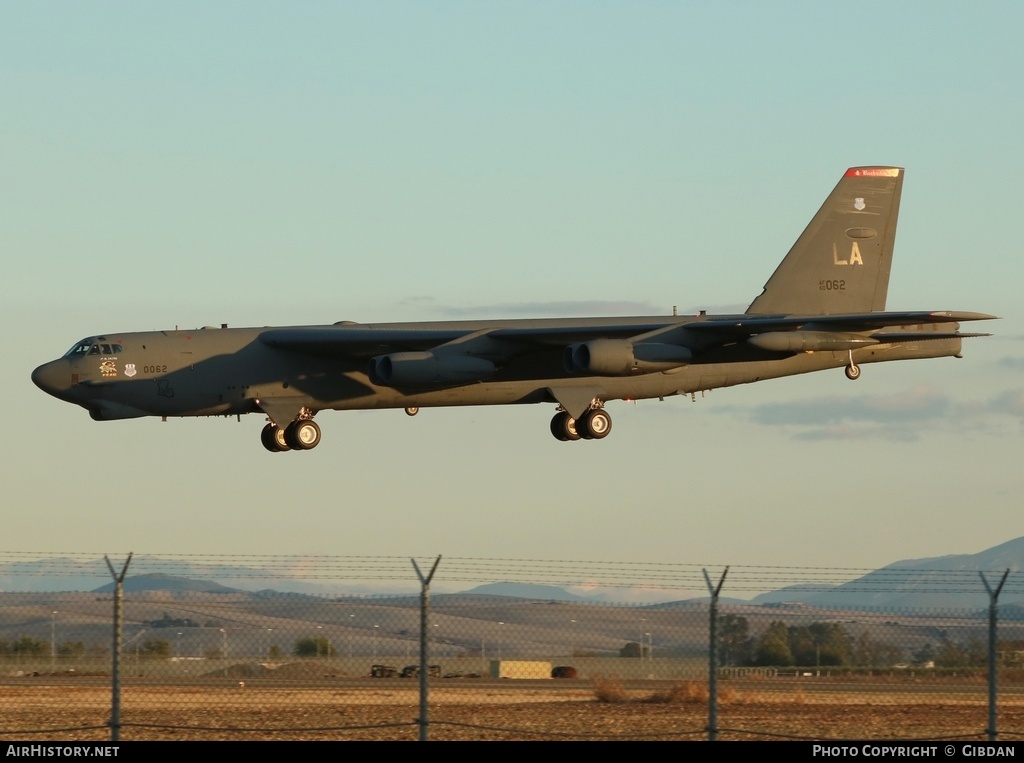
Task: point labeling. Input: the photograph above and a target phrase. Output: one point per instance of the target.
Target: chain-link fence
(225, 653)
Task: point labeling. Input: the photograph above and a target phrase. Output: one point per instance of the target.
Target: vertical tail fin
(840, 263)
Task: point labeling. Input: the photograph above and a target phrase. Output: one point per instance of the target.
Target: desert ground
(492, 710)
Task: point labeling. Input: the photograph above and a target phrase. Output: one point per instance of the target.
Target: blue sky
(282, 164)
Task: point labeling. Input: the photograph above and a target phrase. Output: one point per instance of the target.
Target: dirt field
(557, 711)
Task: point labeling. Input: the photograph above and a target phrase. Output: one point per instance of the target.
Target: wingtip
(956, 315)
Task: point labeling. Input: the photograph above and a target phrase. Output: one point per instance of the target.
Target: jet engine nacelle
(425, 369)
(620, 357)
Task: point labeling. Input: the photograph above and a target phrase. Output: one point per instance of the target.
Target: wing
(663, 342)
(439, 355)
(418, 356)
(356, 341)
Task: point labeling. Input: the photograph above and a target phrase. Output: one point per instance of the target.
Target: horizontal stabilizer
(756, 324)
(891, 337)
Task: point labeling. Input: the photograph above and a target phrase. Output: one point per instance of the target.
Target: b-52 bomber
(822, 308)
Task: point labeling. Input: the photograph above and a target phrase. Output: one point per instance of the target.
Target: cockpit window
(82, 348)
(90, 347)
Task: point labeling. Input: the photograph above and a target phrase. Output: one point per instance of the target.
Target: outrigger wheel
(852, 370)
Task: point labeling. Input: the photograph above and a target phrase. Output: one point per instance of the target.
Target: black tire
(269, 439)
(595, 425)
(852, 372)
(557, 431)
(581, 427)
(303, 434)
(563, 427)
(599, 424)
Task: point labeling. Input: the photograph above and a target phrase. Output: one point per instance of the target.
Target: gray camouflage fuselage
(224, 371)
(823, 307)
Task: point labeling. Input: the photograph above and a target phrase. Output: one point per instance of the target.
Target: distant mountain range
(941, 582)
(945, 582)
(67, 574)
(158, 581)
(526, 591)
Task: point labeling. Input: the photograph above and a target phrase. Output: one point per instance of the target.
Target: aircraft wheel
(412, 410)
(303, 434)
(595, 425)
(563, 427)
(273, 439)
(556, 428)
(267, 438)
(852, 372)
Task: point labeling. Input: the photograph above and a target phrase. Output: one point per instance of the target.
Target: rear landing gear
(595, 424)
(302, 434)
(273, 438)
(563, 427)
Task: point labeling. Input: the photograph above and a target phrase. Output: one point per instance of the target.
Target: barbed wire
(571, 573)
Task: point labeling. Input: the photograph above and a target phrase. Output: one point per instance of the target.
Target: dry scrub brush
(679, 693)
(609, 690)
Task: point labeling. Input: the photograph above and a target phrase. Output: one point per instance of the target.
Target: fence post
(713, 655)
(115, 669)
(423, 720)
(993, 657)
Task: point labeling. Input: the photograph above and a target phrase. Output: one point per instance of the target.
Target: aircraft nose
(53, 378)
